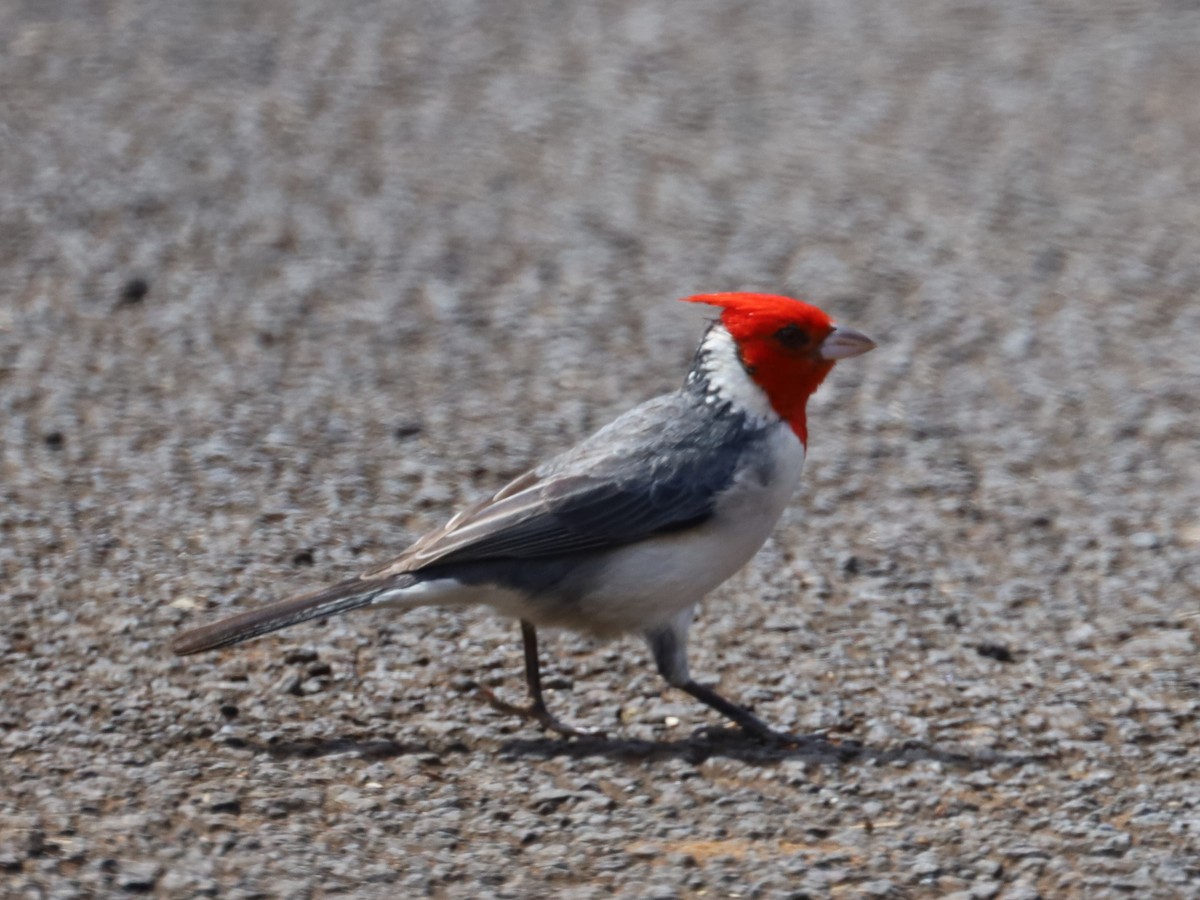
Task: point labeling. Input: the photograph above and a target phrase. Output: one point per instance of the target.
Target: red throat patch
(778, 340)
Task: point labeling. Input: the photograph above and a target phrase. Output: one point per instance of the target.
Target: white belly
(645, 584)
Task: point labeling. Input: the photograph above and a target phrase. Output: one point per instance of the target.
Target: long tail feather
(337, 599)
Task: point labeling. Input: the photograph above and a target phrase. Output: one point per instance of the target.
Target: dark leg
(536, 709)
(757, 728)
(669, 646)
(745, 719)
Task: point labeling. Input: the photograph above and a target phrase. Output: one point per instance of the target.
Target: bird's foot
(537, 712)
(816, 743)
(752, 725)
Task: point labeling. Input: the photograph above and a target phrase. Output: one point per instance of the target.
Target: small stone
(290, 683)
(232, 735)
(549, 799)
(614, 862)
(224, 803)
(926, 865)
(1165, 642)
(138, 877)
(134, 291)
(1082, 636)
(1022, 890)
(998, 652)
(406, 430)
(10, 858)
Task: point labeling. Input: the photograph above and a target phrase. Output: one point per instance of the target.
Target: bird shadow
(705, 744)
(731, 744)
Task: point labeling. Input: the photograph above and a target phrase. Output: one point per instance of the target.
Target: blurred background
(283, 282)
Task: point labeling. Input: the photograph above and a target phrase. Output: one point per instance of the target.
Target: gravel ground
(282, 282)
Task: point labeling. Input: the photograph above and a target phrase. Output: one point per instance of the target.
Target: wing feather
(629, 481)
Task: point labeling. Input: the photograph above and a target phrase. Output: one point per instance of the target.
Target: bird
(628, 530)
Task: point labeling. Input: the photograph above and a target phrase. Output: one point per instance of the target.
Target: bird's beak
(845, 342)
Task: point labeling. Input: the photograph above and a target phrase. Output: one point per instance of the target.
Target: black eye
(792, 336)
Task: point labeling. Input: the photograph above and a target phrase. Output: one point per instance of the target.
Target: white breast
(645, 584)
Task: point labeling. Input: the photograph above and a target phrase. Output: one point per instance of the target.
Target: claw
(538, 712)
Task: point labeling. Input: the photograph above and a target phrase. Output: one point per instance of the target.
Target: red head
(786, 346)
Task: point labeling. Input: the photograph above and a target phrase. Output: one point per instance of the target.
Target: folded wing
(626, 483)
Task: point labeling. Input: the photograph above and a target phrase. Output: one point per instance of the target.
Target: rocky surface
(283, 282)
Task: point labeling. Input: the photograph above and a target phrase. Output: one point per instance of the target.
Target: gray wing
(633, 479)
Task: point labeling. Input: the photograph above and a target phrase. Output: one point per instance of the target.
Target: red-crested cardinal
(629, 529)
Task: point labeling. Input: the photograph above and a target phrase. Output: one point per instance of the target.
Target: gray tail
(340, 598)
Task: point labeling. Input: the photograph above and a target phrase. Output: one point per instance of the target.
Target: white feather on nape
(726, 380)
